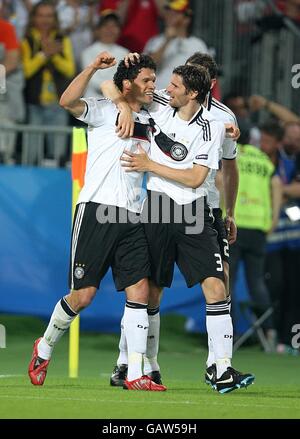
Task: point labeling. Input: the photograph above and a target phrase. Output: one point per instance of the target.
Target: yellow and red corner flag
(79, 155)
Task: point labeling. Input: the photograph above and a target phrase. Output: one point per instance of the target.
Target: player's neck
(133, 104)
(189, 110)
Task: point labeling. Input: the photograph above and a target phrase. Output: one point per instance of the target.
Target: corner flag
(79, 154)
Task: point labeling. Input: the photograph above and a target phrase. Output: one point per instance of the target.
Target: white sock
(123, 355)
(219, 329)
(150, 359)
(136, 330)
(60, 321)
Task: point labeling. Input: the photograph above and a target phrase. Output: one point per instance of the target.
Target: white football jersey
(105, 179)
(180, 144)
(222, 113)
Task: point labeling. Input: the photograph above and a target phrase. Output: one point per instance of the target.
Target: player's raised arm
(70, 99)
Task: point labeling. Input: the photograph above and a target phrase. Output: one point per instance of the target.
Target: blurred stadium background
(256, 50)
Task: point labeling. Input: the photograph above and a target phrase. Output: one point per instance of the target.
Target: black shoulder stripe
(86, 109)
(223, 108)
(162, 98)
(207, 127)
(159, 101)
(204, 128)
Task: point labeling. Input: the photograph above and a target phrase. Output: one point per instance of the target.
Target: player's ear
(193, 94)
(213, 83)
(126, 85)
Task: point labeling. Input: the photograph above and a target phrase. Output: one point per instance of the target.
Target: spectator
(175, 45)
(17, 13)
(76, 20)
(139, 18)
(282, 113)
(107, 33)
(48, 67)
(290, 8)
(283, 261)
(256, 213)
(238, 104)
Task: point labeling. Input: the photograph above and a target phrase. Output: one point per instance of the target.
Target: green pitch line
(275, 393)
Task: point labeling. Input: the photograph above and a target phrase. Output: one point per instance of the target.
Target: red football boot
(37, 369)
(143, 383)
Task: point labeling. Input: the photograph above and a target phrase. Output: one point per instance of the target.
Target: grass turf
(274, 395)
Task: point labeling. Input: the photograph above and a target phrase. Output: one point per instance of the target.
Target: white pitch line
(134, 402)
(9, 376)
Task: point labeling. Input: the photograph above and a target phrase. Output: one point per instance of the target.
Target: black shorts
(219, 226)
(96, 246)
(196, 254)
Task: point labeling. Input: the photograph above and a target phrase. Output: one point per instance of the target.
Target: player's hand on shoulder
(104, 60)
(232, 131)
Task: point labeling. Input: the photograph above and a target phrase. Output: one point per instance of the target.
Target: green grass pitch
(275, 394)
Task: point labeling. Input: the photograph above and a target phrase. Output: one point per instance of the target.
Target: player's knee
(80, 299)
(214, 290)
(138, 292)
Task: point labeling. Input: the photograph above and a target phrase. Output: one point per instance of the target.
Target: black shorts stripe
(75, 234)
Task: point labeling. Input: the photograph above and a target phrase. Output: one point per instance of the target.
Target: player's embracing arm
(206, 158)
(70, 99)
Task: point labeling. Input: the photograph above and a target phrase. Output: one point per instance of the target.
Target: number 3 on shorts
(219, 261)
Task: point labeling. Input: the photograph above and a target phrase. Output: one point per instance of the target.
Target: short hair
(195, 78)
(131, 72)
(104, 18)
(273, 129)
(204, 60)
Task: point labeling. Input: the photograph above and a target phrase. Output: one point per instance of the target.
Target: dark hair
(273, 129)
(131, 72)
(204, 60)
(195, 78)
(108, 17)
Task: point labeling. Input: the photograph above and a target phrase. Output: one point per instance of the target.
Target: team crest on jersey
(79, 272)
(176, 150)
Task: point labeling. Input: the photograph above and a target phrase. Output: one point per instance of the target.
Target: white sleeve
(208, 152)
(95, 110)
(160, 101)
(229, 149)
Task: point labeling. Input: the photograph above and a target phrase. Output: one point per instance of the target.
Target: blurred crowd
(44, 44)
